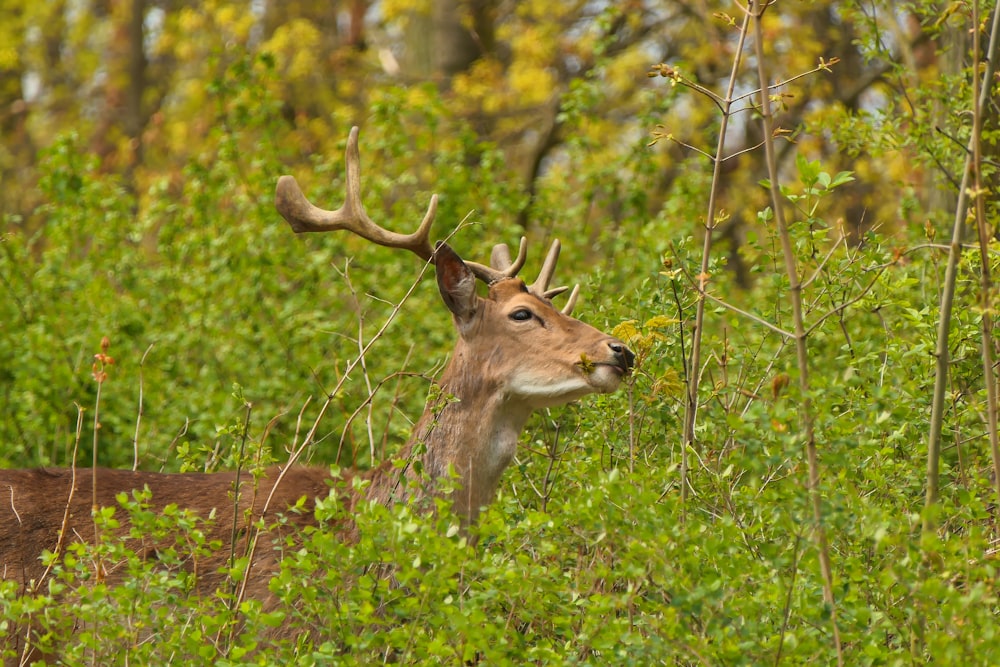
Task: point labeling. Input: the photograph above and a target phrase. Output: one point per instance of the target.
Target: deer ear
(456, 282)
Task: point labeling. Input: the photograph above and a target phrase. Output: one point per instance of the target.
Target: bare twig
(63, 528)
(138, 414)
(367, 402)
(13, 508)
(346, 275)
(850, 302)
(699, 286)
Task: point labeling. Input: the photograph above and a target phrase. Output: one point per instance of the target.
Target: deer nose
(624, 356)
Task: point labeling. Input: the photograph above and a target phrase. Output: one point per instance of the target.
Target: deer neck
(468, 434)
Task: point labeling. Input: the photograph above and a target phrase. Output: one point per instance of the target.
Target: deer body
(38, 505)
(516, 353)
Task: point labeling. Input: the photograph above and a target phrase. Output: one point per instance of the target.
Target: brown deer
(515, 353)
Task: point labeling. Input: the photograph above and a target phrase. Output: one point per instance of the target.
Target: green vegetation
(760, 492)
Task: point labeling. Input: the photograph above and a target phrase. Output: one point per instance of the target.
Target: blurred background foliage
(141, 143)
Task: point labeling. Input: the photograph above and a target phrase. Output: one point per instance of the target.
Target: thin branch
(367, 402)
(795, 295)
(986, 282)
(819, 269)
(139, 412)
(850, 302)
(691, 147)
(742, 151)
(948, 290)
(750, 316)
(346, 275)
(691, 404)
(728, 306)
(822, 67)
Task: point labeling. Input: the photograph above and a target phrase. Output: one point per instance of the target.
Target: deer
(515, 353)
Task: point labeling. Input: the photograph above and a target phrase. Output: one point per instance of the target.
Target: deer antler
(304, 217)
(502, 267)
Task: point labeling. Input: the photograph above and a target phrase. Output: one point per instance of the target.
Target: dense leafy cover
(222, 325)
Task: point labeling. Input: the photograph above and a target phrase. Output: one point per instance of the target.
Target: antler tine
(571, 303)
(500, 256)
(500, 265)
(303, 216)
(541, 285)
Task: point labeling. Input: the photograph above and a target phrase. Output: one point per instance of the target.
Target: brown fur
(36, 503)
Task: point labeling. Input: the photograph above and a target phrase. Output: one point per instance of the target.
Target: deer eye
(521, 315)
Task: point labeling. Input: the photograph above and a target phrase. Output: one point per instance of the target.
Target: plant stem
(795, 295)
(948, 293)
(986, 282)
(694, 375)
(139, 412)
